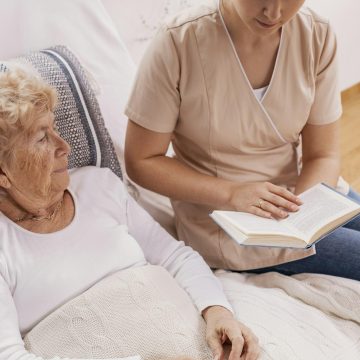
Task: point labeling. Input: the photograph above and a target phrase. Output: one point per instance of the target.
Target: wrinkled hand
(263, 199)
(222, 328)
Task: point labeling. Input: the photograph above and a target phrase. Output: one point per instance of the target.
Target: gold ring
(259, 203)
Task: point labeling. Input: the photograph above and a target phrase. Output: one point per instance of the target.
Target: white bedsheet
(303, 317)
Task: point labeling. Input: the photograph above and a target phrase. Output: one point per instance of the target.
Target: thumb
(215, 345)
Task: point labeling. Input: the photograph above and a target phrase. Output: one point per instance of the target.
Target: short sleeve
(326, 107)
(155, 100)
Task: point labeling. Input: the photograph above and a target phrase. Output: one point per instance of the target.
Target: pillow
(87, 29)
(77, 116)
(135, 311)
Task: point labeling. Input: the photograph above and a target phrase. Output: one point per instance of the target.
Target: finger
(251, 353)
(281, 202)
(286, 194)
(278, 200)
(252, 348)
(237, 346)
(215, 346)
(273, 210)
(259, 212)
(237, 342)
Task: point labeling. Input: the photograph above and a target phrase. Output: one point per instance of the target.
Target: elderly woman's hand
(223, 328)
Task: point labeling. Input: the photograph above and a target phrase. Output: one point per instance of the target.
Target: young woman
(234, 87)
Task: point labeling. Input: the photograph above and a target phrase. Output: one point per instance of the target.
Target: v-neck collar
(278, 55)
(273, 75)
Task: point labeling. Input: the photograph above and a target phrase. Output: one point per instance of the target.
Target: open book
(323, 210)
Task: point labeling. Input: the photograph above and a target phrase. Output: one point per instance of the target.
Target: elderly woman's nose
(272, 10)
(63, 148)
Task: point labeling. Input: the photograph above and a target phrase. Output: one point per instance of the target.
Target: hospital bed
(301, 317)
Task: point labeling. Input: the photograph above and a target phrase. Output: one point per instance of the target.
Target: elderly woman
(53, 224)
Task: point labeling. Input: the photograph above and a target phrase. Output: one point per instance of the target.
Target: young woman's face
(264, 16)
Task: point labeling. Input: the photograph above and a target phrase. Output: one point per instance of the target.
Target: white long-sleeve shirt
(109, 232)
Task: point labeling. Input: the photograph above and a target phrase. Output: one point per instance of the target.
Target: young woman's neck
(240, 32)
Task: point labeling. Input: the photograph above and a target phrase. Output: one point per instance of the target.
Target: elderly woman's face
(37, 171)
(265, 16)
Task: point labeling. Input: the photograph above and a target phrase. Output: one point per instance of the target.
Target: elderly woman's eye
(43, 138)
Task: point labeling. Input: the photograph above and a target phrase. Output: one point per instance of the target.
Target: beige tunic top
(191, 82)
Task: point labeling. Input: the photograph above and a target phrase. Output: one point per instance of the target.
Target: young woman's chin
(265, 29)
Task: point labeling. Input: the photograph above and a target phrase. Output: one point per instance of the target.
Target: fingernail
(294, 207)
(284, 214)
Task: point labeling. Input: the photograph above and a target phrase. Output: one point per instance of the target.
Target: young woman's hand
(222, 328)
(263, 199)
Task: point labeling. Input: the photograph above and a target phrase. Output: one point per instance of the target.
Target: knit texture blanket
(302, 317)
(135, 311)
(143, 311)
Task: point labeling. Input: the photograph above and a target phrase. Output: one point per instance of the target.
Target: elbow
(138, 169)
(132, 168)
(329, 161)
(143, 147)
(329, 156)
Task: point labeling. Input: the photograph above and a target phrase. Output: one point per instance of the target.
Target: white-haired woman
(52, 226)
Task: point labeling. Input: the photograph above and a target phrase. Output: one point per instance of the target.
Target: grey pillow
(77, 116)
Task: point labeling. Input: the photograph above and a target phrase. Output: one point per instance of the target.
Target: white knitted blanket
(139, 311)
(303, 317)
(143, 311)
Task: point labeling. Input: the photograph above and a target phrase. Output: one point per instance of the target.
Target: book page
(321, 206)
(251, 224)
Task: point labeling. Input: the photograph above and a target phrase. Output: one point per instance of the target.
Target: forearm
(215, 310)
(183, 263)
(178, 181)
(326, 170)
(147, 165)
(169, 177)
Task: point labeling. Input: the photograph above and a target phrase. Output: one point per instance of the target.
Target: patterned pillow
(77, 116)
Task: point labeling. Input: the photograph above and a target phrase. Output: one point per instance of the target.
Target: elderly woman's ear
(4, 181)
